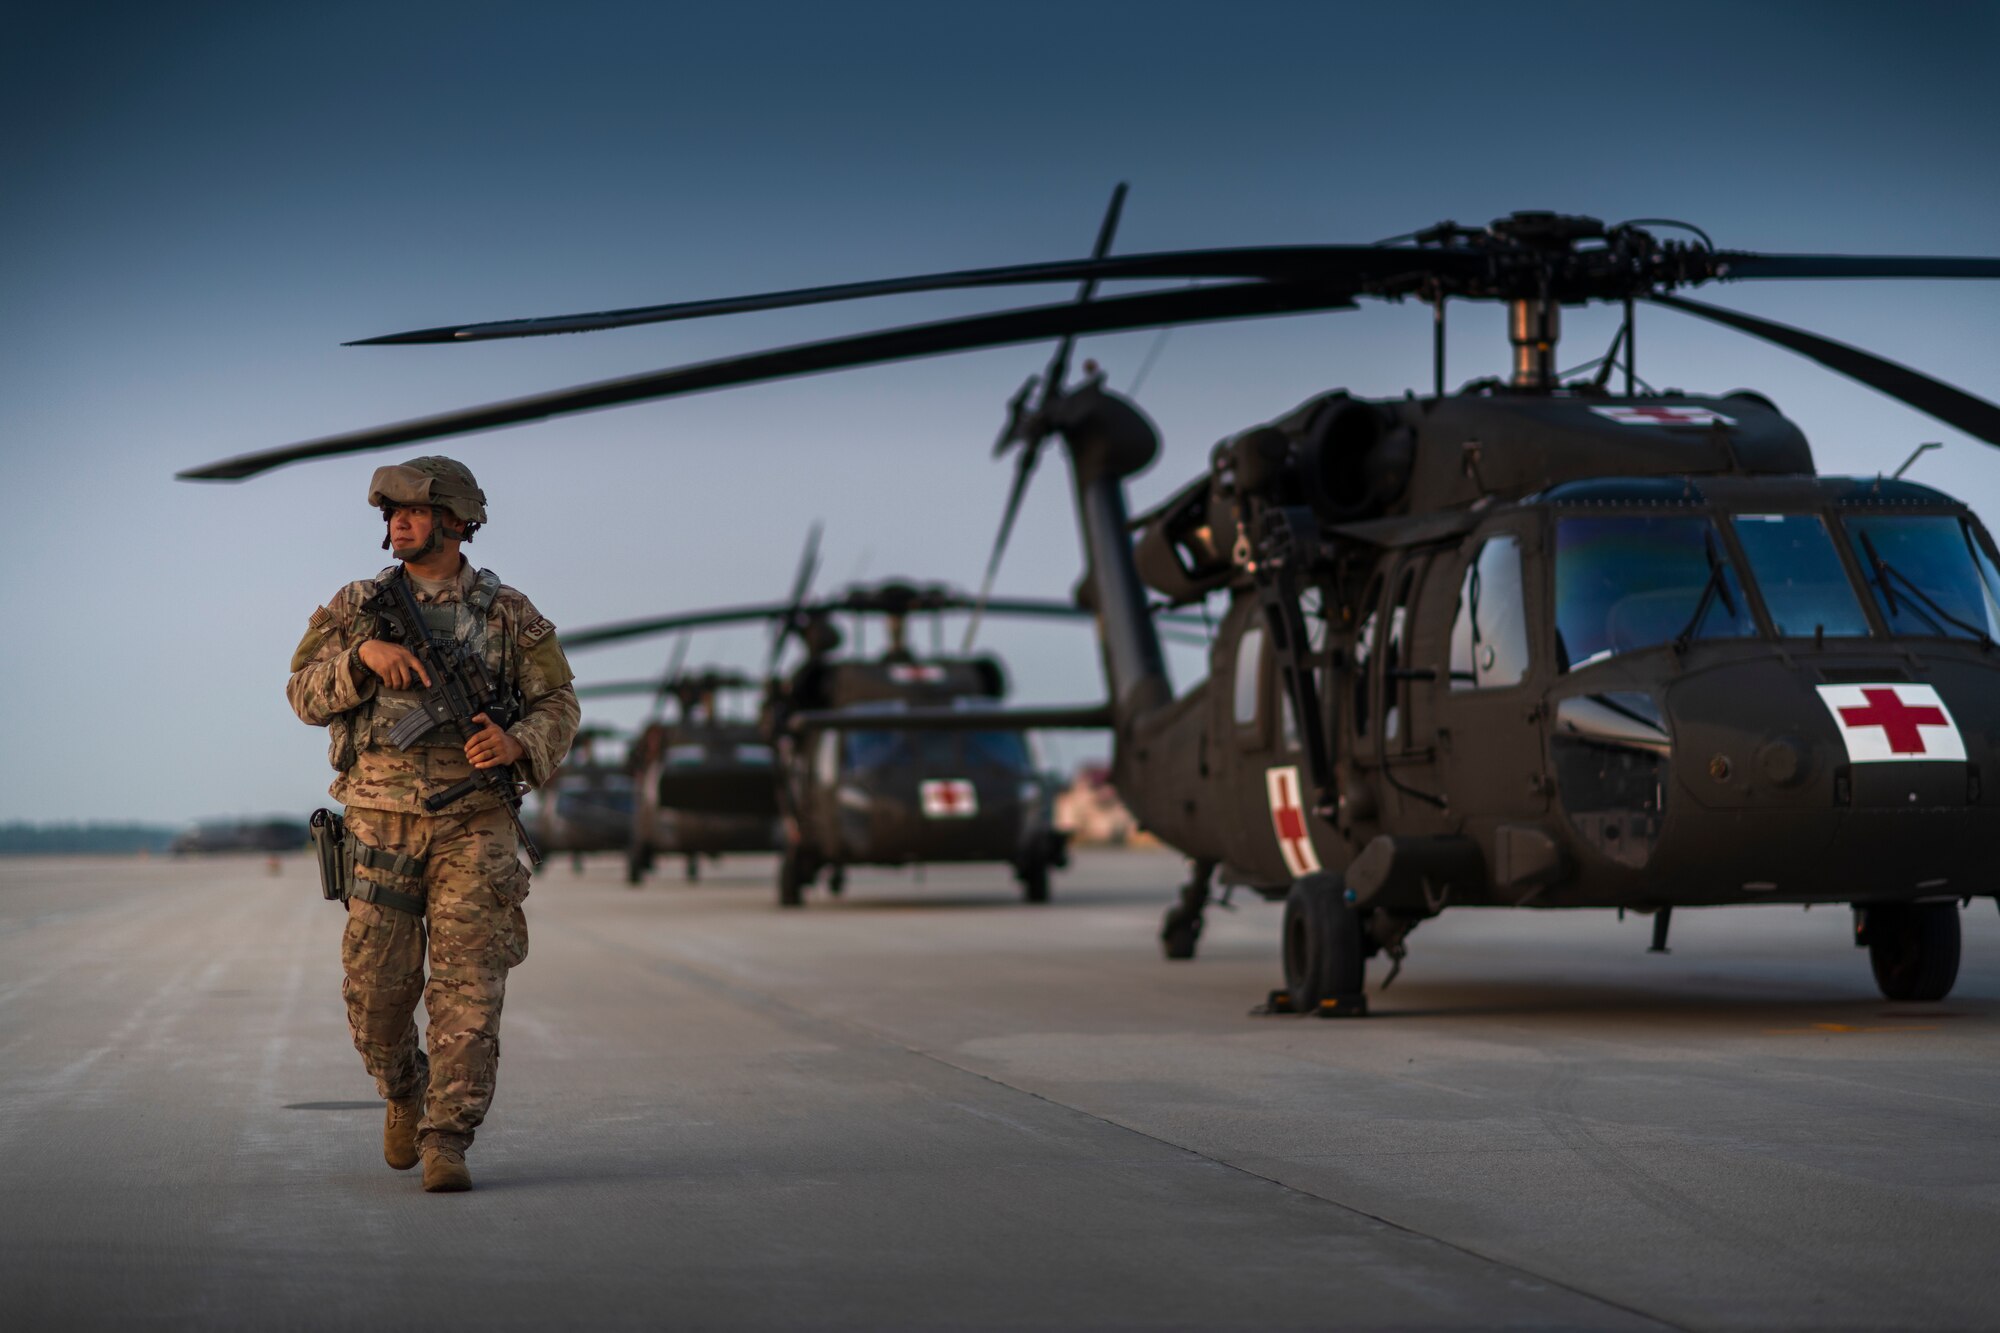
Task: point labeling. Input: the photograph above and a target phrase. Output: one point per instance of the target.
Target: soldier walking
(449, 880)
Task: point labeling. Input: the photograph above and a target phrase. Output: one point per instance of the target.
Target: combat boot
(399, 1131)
(444, 1170)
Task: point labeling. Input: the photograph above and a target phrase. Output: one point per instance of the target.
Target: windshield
(1805, 587)
(937, 751)
(1626, 582)
(1928, 574)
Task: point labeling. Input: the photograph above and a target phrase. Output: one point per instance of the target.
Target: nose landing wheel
(1913, 947)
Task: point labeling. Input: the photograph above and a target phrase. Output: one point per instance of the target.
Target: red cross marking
(946, 797)
(1665, 413)
(1290, 821)
(1901, 723)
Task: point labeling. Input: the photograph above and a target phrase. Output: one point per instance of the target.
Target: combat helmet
(431, 480)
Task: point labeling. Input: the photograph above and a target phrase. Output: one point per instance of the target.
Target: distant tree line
(23, 839)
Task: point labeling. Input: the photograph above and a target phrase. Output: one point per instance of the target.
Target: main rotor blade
(1953, 406)
(801, 582)
(1336, 265)
(1146, 310)
(612, 689)
(1024, 469)
(1732, 264)
(596, 635)
(1058, 371)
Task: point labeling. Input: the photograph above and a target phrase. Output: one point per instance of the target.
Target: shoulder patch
(545, 655)
(317, 630)
(536, 630)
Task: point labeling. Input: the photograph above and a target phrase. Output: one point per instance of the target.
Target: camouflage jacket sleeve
(550, 714)
(327, 676)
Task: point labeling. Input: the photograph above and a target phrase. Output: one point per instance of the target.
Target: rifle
(461, 688)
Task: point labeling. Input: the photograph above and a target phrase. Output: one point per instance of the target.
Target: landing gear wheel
(836, 880)
(1325, 948)
(1913, 948)
(635, 868)
(1179, 932)
(1034, 877)
(795, 871)
(693, 868)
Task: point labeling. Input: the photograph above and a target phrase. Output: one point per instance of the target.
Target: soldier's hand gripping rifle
(461, 689)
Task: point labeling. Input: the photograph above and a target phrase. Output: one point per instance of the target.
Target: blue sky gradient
(203, 202)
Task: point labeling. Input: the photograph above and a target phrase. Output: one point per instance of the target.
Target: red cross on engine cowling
(1901, 723)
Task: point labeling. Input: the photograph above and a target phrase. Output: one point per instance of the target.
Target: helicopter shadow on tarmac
(1727, 1005)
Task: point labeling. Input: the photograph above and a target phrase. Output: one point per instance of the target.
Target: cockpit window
(939, 751)
(1006, 750)
(1631, 581)
(1805, 586)
(1928, 574)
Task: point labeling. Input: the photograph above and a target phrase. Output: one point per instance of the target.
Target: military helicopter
(704, 783)
(854, 787)
(1534, 643)
(587, 806)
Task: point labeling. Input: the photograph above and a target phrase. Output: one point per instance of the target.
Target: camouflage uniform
(471, 882)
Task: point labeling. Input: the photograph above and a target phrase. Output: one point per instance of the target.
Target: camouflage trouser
(472, 886)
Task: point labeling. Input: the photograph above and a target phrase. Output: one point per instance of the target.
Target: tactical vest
(465, 620)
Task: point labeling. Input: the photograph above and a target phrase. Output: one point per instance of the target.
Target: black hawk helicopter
(587, 806)
(703, 783)
(852, 785)
(1534, 643)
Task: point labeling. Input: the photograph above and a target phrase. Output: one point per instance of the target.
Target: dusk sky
(203, 202)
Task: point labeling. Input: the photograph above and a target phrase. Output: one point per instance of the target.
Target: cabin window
(1393, 657)
(1249, 675)
(1631, 581)
(1489, 632)
(1004, 750)
(1364, 652)
(1929, 575)
(1805, 586)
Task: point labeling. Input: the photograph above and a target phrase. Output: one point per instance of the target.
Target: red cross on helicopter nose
(1902, 724)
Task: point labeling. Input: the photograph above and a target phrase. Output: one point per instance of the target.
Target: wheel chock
(1277, 1002)
(1344, 1006)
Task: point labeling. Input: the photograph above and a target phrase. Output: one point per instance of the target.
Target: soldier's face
(410, 529)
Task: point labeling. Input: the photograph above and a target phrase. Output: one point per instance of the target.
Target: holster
(329, 844)
(339, 851)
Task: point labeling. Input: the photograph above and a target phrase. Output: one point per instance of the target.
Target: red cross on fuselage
(1901, 723)
(1680, 415)
(947, 798)
(1290, 822)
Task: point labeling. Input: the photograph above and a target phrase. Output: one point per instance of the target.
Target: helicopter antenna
(1031, 430)
(1920, 451)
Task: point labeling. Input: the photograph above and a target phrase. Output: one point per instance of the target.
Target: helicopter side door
(1490, 713)
(1243, 702)
(1409, 629)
